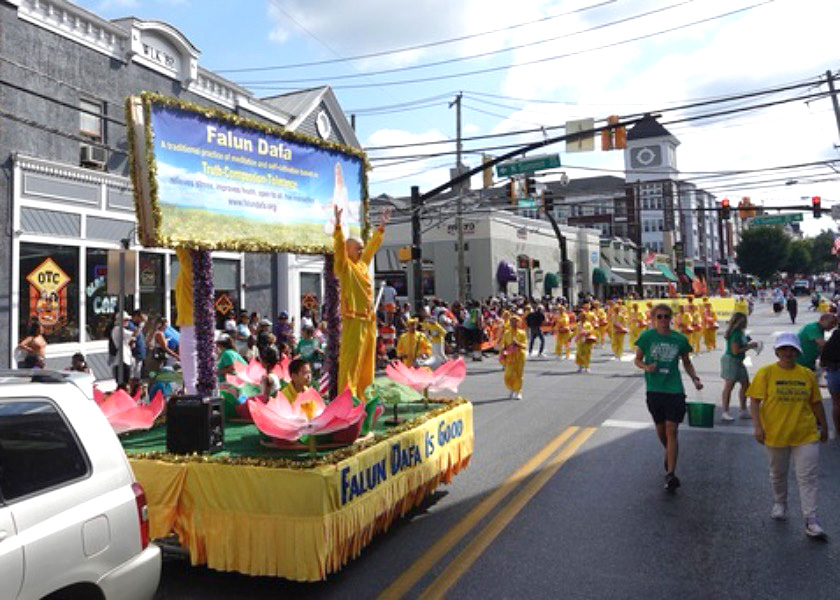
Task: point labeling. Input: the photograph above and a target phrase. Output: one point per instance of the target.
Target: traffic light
(548, 201)
(530, 186)
(614, 138)
(816, 206)
(724, 209)
(511, 192)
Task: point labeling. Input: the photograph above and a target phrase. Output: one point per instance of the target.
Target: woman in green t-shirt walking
(732, 369)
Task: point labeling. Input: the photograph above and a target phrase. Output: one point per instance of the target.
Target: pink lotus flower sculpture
(448, 376)
(307, 416)
(254, 371)
(125, 413)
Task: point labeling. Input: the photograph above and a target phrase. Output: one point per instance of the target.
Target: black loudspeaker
(195, 424)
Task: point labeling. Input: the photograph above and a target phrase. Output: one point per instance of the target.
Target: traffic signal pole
(834, 101)
(459, 209)
(416, 248)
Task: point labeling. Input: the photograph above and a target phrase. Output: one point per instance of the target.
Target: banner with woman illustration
(209, 179)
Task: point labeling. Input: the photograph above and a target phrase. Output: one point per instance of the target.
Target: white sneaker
(779, 512)
(518, 396)
(725, 416)
(813, 529)
(745, 414)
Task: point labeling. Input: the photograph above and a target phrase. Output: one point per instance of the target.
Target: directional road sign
(529, 165)
(777, 219)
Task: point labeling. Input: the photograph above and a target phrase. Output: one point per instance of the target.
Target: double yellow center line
(467, 557)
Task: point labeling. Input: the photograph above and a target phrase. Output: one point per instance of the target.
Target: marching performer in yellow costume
(585, 341)
(601, 324)
(710, 326)
(638, 323)
(685, 323)
(619, 330)
(413, 345)
(357, 359)
(563, 342)
(513, 356)
(696, 327)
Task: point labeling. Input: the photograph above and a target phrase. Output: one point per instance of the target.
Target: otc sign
(47, 296)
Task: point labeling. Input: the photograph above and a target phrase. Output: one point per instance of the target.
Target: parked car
(73, 519)
(801, 287)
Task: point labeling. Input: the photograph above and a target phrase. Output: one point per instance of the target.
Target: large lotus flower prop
(448, 376)
(254, 371)
(125, 413)
(307, 416)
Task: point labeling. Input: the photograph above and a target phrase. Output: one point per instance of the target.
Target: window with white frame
(90, 118)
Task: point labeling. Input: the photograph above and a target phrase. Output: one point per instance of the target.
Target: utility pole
(830, 78)
(416, 248)
(459, 225)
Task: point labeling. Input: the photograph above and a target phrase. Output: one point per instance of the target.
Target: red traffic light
(724, 209)
(816, 206)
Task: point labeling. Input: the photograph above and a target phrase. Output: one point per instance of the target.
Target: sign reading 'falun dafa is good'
(205, 178)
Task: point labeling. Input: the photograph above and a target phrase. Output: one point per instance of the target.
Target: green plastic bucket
(700, 414)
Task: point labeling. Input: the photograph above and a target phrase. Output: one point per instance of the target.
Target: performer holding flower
(513, 356)
(619, 330)
(356, 361)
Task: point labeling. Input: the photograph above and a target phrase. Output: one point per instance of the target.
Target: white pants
(805, 465)
(186, 352)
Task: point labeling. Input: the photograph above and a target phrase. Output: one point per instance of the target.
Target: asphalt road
(564, 499)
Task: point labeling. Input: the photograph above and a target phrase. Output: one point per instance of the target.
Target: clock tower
(651, 153)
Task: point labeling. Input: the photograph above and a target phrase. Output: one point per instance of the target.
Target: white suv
(73, 520)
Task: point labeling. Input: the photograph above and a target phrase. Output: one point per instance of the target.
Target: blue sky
(616, 57)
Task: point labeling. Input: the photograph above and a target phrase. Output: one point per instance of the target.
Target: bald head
(354, 247)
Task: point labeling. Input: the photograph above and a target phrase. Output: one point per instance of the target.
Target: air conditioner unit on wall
(94, 156)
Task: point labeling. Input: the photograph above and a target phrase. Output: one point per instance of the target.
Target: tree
(799, 259)
(763, 251)
(821, 258)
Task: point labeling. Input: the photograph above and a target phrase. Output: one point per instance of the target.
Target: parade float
(289, 488)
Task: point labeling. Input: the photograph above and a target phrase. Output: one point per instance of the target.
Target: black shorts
(666, 407)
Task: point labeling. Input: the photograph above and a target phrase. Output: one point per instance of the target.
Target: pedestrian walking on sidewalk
(658, 353)
(732, 369)
(789, 419)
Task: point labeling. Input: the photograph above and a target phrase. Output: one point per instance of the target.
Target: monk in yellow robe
(413, 345)
(356, 362)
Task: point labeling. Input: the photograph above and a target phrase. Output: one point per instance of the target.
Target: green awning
(691, 274)
(552, 280)
(667, 272)
(603, 275)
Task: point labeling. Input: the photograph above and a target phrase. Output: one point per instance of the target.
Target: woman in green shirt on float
(228, 357)
(732, 369)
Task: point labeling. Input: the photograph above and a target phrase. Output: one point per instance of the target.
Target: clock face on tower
(646, 156)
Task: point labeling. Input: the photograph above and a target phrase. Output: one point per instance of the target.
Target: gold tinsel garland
(150, 98)
(330, 458)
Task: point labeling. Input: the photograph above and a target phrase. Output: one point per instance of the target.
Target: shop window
(152, 288)
(100, 306)
(49, 291)
(90, 119)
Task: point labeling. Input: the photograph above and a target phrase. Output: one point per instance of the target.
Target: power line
(448, 61)
(692, 104)
(410, 48)
(545, 59)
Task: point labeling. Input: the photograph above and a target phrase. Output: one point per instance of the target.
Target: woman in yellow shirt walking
(789, 419)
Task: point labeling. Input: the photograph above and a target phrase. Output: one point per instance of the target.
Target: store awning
(505, 273)
(603, 275)
(691, 274)
(552, 280)
(667, 272)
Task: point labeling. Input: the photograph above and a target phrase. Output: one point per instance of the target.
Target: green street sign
(527, 166)
(777, 219)
(526, 203)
